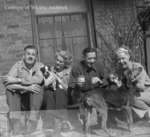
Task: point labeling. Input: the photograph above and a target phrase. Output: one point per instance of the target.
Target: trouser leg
(144, 101)
(50, 105)
(15, 114)
(140, 107)
(14, 103)
(35, 104)
(61, 99)
(50, 99)
(145, 97)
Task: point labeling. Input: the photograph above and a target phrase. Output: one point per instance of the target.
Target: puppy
(45, 70)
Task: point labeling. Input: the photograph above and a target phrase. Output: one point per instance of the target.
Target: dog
(128, 98)
(45, 71)
(89, 100)
(94, 99)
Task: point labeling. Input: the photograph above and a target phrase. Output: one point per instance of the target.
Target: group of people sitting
(32, 84)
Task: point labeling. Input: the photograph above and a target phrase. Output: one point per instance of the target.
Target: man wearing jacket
(23, 78)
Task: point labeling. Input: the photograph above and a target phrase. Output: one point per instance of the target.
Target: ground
(50, 121)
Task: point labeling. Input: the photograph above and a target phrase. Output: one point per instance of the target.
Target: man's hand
(34, 88)
(11, 80)
(96, 80)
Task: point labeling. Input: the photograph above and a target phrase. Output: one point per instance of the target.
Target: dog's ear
(49, 67)
(110, 82)
(42, 69)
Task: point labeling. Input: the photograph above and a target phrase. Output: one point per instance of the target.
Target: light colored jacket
(139, 76)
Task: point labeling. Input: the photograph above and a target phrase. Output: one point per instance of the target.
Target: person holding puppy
(136, 80)
(87, 84)
(56, 81)
(90, 69)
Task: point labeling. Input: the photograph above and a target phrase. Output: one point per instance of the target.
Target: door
(69, 32)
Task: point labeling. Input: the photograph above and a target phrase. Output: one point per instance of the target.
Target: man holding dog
(87, 77)
(90, 69)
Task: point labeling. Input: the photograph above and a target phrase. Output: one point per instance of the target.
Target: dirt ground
(48, 125)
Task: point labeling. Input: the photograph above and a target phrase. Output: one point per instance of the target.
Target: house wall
(116, 24)
(15, 32)
(148, 50)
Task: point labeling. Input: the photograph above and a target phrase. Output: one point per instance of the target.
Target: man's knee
(13, 101)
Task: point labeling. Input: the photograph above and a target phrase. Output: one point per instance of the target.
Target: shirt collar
(24, 66)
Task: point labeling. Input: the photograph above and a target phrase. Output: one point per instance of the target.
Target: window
(67, 31)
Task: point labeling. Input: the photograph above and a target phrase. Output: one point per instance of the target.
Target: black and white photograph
(74, 68)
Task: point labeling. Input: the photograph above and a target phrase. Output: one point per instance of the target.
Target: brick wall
(15, 32)
(113, 20)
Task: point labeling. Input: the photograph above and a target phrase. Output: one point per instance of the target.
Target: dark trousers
(36, 100)
(53, 103)
(23, 102)
(55, 100)
(17, 102)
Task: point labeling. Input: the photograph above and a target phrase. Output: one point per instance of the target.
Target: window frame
(90, 25)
